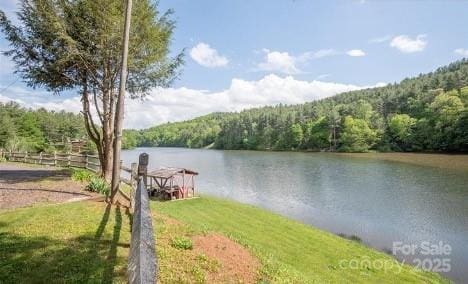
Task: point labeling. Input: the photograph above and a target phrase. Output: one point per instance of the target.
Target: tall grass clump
(82, 175)
(99, 185)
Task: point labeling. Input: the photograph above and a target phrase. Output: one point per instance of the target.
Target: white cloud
(322, 76)
(380, 39)
(175, 104)
(407, 44)
(356, 53)
(279, 61)
(206, 56)
(321, 53)
(461, 51)
(283, 62)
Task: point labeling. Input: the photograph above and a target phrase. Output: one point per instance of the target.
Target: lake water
(379, 201)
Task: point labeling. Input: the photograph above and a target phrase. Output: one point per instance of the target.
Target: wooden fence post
(86, 161)
(143, 167)
(133, 184)
(40, 158)
(68, 160)
(25, 156)
(55, 158)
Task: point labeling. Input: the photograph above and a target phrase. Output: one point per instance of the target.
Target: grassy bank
(290, 252)
(89, 242)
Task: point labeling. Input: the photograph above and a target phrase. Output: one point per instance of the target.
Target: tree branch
(98, 110)
(89, 123)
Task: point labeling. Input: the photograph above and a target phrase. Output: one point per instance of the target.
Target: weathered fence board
(55, 159)
(142, 264)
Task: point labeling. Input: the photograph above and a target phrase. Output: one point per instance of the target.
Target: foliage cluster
(195, 133)
(425, 113)
(37, 130)
(99, 185)
(182, 243)
(82, 175)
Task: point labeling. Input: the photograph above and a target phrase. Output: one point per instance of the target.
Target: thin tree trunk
(119, 112)
(103, 143)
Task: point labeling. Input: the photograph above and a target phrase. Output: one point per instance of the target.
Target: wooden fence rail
(84, 161)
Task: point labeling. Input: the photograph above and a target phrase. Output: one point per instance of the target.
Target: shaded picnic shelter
(172, 183)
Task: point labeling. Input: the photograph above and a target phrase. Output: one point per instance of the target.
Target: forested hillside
(195, 133)
(425, 113)
(24, 129)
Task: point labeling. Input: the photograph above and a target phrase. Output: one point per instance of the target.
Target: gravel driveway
(24, 185)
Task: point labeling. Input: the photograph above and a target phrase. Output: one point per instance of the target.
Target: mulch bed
(238, 265)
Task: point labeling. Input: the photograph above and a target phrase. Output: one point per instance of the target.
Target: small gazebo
(173, 183)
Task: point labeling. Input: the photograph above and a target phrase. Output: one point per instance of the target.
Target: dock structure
(172, 183)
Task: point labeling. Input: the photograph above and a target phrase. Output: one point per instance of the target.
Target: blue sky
(242, 54)
(239, 30)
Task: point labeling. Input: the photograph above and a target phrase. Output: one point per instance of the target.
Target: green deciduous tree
(446, 110)
(297, 135)
(76, 45)
(356, 136)
(318, 134)
(401, 130)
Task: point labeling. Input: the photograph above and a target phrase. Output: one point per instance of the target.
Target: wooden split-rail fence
(142, 260)
(84, 161)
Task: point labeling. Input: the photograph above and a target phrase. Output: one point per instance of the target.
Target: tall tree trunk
(118, 121)
(102, 139)
(107, 161)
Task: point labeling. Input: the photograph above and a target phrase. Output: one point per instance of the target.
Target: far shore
(452, 161)
(443, 161)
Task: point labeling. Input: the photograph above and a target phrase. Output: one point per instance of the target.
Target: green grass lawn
(80, 242)
(290, 252)
(89, 242)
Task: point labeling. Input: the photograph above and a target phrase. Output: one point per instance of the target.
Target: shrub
(182, 243)
(99, 185)
(82, 175)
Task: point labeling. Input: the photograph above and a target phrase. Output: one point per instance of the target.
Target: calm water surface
(381, 202)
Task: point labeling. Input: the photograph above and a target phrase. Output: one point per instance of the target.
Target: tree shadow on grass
(84, 259)
(112, 254)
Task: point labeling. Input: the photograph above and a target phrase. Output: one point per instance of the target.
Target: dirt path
(238, 265)
(23, 185)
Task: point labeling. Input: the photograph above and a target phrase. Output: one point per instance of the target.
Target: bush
(82, 175)
(99, 185)
(182, 243)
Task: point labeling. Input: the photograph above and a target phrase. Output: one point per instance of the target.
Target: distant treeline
(24, 129)
(426, 113)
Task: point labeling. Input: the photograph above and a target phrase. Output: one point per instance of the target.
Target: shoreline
(457, 162)
(451, 161)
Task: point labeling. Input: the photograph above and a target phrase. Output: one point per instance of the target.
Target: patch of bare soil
(22, 185)
(238, 265)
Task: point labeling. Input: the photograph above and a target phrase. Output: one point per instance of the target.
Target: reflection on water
(379, 201)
